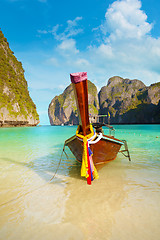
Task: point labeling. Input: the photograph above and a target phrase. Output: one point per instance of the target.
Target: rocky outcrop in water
(63, 110)
(16, 105)
(130, 101)
(127, 101)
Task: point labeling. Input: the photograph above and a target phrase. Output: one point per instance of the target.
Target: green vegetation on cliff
(15, 101)
(130, 101)
(63, 109)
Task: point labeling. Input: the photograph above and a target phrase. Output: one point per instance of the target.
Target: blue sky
(103, 37)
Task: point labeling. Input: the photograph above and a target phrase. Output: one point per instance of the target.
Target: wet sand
(117, 206)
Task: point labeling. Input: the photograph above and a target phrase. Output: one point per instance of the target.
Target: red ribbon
(89, 168)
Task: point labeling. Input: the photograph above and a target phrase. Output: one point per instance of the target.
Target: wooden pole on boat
(80, 86)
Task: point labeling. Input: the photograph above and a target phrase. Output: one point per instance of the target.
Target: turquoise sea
(123, 204)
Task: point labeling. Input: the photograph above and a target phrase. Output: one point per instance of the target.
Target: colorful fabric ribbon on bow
(88, 169)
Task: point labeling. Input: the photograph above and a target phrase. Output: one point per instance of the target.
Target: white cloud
(155, 47)
(105, 51)
(66, 44)
(125, 19)
(68, 47)
(70, 31)
(81, 62)
(127, 47)
(53, 61)
(42, 31)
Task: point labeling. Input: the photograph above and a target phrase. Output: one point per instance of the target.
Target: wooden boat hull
(103, 151)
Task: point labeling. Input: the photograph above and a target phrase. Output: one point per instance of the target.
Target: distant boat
(90, 146)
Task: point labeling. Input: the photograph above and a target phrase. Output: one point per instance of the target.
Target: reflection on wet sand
(122, 204)
(92, 208)
(27, 202)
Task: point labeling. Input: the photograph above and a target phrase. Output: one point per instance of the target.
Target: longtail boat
(90, 146)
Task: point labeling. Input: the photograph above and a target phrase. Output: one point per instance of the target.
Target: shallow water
(124, 203)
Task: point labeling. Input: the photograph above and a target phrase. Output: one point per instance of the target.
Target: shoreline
(110, 124)
(65, 125)
(10, 123)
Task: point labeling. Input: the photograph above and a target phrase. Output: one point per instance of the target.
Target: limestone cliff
(130, 101)
(63, 110)
(127, 101)
(16, 105)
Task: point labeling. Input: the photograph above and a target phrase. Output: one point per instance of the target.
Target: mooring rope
(35, 189)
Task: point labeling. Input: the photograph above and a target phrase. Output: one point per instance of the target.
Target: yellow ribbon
(84, 167)
(87, 136)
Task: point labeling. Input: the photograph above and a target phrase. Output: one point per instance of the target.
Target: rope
(58, 165)
(22, 195)
(97, 140)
